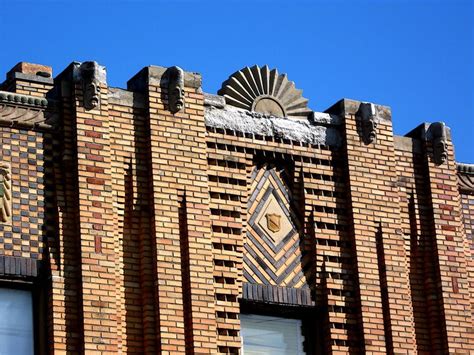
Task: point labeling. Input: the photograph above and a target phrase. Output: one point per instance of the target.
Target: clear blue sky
(415, 56)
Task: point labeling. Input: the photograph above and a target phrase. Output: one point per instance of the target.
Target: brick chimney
(29, 79)
(32, 69)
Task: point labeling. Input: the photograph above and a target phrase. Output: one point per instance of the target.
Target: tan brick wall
(31, 88)
(65, 323)
(96, 225)
(386, 309)
(228, 196)
(186, 316)
(319, 185)
(141, 218)
(133, 239)
(416, 229)
(467, 201)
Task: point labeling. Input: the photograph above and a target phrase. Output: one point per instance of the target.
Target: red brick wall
(416, 228)
(134, 269)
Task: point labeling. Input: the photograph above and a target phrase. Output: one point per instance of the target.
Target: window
(263, 335)
(16, 322)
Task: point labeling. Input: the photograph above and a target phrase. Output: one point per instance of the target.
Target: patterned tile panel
(272, 249)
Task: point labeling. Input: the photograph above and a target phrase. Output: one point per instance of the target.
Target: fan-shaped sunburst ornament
(265, 91)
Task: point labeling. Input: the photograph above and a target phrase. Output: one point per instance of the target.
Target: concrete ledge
(231, 118)
(192, 80)
(127, 98)
(407, 144)
(349, 106)
(423, 132)
(214, 100)
(154, 75)
(320, 118)
(32, 78)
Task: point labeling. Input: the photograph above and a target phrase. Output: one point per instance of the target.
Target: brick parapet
(96, 229)
(386, 317)
(185, 297)
(449, 242)
(144, 238)
(65, 323)
(467, 201)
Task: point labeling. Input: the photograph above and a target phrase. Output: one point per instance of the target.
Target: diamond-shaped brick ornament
(273, 250)
(274, 220)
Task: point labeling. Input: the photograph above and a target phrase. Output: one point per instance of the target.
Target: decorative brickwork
(272, 255)
(147, 220)
(22, 232)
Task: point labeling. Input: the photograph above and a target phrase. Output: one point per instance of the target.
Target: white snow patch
(243, 121)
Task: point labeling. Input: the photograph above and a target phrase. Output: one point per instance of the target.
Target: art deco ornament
(5, 193)
(90, 84)
(439, 141)
(273, 222)
(466, 177)
(175, 89)
(265, 91)
(368, 122)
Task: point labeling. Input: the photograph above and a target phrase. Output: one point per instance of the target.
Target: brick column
(452, 293)
(186, 321)
(65, 317)
(386, 315)
(95, 212)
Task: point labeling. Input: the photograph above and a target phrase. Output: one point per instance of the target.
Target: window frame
(310, 316)
(39, 333)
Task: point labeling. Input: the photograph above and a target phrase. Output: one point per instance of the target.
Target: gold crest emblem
(273, 222)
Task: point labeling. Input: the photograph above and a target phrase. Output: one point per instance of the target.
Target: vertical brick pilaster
(64, 245)
(452, 291)
(96, 230)
(186, 320)
(386, 309)
(467, 200)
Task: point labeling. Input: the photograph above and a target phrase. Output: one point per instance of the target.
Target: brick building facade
(151, 219)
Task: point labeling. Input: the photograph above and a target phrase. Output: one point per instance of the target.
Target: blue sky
(415, 56)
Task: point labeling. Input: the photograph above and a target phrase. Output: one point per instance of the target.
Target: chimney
(29, 79)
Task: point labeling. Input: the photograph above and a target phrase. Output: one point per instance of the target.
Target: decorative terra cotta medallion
(273, 222)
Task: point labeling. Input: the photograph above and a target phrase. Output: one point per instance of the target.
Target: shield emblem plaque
(273, 222)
